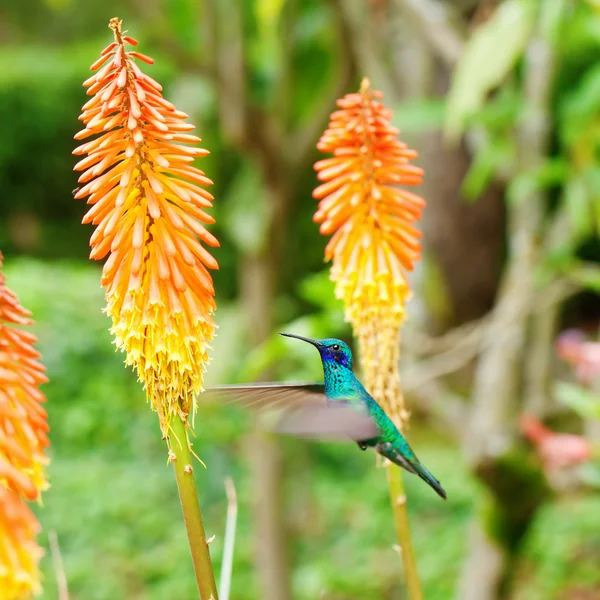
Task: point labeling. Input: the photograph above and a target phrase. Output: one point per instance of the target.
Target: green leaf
(551, 173)
(580, 107)
(577, 204)
(522, 186)
(588, 275)
(264, 47)
(249, 214)
(419, 116)
(552, 20)
(489, 56)
(590, 474)
(499, 113)
(318, 288)
(592, 180)
(583, 401)
(495, 156)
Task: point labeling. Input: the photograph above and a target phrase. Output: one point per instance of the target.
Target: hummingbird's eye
(335, 347)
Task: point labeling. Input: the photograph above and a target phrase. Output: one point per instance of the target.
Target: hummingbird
(339, 408)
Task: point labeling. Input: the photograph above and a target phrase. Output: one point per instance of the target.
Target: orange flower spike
(19, 552)
(374, 241)
(23, 439)
(147, 205)
(23, 424)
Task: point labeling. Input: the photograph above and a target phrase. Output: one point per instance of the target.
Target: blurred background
(500, 360)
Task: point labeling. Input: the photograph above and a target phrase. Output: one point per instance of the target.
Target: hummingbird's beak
(299, 337)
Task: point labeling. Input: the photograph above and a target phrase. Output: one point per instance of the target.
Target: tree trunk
(466, 239)
(483, 567)
(259, 278)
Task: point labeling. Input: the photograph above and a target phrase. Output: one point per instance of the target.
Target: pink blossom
(556, 450)
(582, 355)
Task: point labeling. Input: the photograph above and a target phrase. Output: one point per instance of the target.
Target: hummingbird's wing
(300, 409)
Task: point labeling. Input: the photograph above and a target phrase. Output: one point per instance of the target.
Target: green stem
(188, 496)
(398, 499)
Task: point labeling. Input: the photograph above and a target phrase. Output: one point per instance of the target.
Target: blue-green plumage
(342, 386)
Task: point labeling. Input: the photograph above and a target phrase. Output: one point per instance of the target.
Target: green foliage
(519, 488)
(583, 401)
(549, 174)
(274, 354)
(560, 558)
(489, 56)
(249, 211)
(579, 123)
(490, 97)
(113, 502)
(419, 116)
(587, 275)
(496, 154)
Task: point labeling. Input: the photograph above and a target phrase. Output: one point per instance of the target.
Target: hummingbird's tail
(426, 476)
(413, 465)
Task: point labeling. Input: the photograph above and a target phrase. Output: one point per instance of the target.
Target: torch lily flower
(373, 244)
(23, 439)
(148, 202)
(374, 241)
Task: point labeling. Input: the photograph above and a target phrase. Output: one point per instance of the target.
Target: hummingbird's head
(331, 350)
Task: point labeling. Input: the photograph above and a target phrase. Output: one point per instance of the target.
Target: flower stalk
(148, 204)
(181, 458)
(373, 244)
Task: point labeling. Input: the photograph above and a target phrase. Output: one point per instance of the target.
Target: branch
(185, 60)
(224, 68)
(448, 409)
(438, 26)
(462, 352)
(355, 18)
(421, 343)
(463, 344)
(224, 37)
